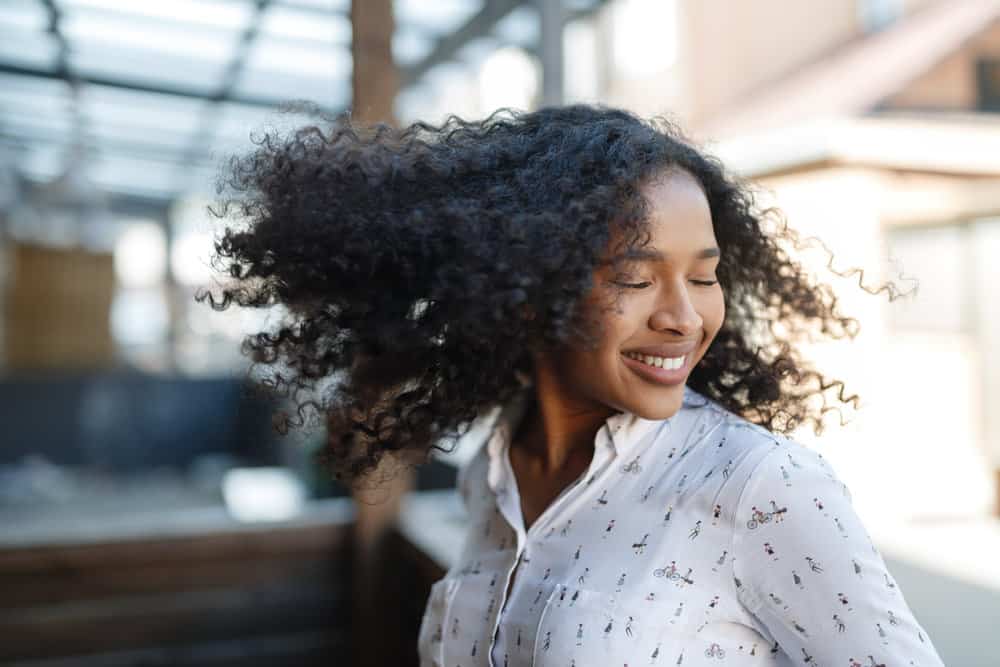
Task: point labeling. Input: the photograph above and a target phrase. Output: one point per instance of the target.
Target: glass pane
(519, 27)
(330, 91)
(235, 124)
(476, 51)
(160, 142)
(87, 29)
(146, 67)
(414, 103)
(30, 90)
(201, 178)
(43, 161)
(280, 21)
(120, 106)
(26, 15)
(134, 175)
(283, 57)
(410, 46)
(338, 6)
(438, 17)
(30, 49)
(54, 126)
(226, 15)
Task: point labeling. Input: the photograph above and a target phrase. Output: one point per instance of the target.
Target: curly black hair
(421, 267)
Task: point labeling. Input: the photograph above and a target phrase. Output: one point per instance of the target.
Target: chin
(662, 409)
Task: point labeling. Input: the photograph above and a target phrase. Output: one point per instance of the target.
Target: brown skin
(577, 390)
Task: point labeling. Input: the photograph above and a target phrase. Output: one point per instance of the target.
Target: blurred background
(149, 514)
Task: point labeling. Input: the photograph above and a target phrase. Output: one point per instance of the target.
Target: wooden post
(374, 85)
(375, 79)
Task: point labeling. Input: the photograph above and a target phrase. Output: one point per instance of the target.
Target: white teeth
(670, 363)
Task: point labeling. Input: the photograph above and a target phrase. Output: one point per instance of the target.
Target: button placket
(522, 550)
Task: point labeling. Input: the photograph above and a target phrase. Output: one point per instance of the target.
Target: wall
(729, 48)
(943, 449)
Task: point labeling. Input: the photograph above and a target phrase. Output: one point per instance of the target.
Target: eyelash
(702, 283)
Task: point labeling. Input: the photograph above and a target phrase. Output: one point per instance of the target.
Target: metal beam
(445, 49)
(230, 77)
(478, 25)
(62, 58)
(126, 148)
(63, 70)
(162, 89)
(570, 15)
(552, 17)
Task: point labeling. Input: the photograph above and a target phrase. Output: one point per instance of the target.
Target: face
(666, 306)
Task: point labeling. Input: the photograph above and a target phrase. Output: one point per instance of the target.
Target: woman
(615, 292)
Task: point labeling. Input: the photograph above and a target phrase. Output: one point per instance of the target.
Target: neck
(558, 430)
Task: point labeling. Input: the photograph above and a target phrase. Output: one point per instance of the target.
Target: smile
(669, 363)
(661, 370)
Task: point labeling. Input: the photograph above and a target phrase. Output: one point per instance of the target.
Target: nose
(676, 311)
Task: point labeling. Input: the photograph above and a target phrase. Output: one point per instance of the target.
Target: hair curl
(407, 260)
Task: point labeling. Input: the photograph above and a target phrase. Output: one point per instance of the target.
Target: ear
(527, 312)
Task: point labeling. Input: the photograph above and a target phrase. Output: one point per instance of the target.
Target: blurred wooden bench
(219, 593)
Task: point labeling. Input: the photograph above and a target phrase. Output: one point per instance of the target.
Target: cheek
(713, 312)
(722, 307)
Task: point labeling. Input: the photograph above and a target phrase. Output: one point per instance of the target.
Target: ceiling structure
(159, 92)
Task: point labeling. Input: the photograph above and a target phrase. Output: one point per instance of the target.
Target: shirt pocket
(430, 644)
(582, 632)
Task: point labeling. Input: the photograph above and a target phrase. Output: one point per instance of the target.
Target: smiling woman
(616, 291)
(666, 318)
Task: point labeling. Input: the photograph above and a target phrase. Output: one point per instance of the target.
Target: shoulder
(763, 461)
(789, 491)
(781, 464)
(700, 409)
(749, 446)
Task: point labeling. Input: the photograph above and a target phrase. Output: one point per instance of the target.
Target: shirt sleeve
(808, 571)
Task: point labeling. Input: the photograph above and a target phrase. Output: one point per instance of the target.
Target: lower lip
(659, 375)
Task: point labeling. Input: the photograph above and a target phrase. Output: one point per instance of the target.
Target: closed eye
(703, 283)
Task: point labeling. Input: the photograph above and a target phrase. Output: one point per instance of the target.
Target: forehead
(679, 213)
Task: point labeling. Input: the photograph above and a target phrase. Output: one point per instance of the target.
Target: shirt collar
(621, 431)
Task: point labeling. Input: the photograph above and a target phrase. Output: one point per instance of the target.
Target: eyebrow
(645, 255)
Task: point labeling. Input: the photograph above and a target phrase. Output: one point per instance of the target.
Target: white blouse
(702, 539)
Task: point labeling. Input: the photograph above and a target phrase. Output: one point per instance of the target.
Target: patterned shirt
(702, 539)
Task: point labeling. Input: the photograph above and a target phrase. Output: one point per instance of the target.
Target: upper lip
(669, 351)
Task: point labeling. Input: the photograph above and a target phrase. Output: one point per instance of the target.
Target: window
(988, 82)
(874, 15)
